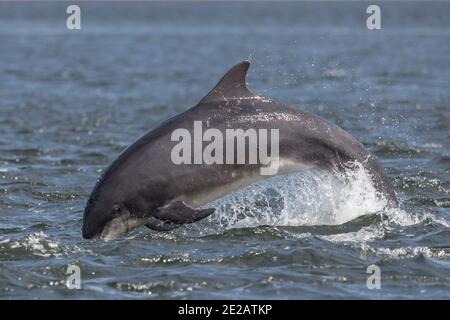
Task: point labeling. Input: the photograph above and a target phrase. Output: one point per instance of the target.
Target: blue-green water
(70, 101)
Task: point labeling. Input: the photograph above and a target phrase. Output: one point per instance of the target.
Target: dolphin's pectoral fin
(160, 225)
(180, 213)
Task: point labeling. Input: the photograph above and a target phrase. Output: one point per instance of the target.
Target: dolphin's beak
(105, 228)
(121, 225)
(92, 228)
(116, 228)
(88, 232)
(97, 224)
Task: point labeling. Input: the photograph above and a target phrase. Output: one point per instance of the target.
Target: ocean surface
(72, 100)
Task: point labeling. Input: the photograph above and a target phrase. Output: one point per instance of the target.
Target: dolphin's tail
(382, 183)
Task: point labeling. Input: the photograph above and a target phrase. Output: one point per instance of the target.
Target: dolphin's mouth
(116, 228)
(120, 226)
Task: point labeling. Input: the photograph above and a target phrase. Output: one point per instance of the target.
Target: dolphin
(143, 186)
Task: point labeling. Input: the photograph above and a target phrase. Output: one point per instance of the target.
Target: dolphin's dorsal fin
(231, 86)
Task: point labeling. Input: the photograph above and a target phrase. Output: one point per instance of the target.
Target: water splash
(299, 199)
(314, 198)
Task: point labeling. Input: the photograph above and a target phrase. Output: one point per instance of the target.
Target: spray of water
(303, 198)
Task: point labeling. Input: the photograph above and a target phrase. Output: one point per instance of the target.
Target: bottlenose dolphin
(143, 186)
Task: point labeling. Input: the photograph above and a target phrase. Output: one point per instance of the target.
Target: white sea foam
(39, 244)
(410, 252)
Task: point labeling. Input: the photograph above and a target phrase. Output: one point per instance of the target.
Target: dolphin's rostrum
(144, 187)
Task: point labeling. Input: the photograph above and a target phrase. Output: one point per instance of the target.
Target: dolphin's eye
(116, 209)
